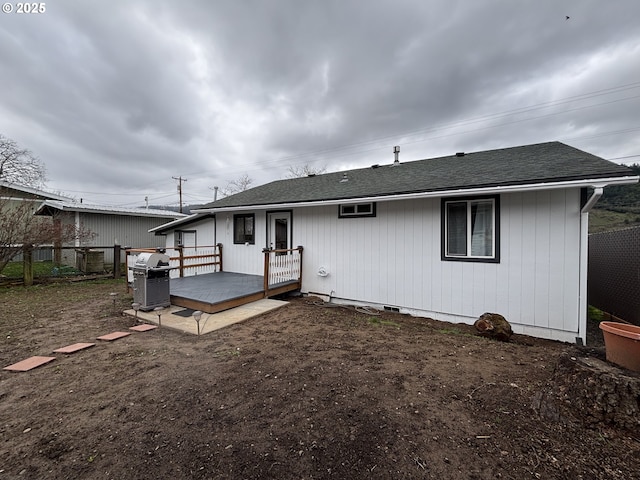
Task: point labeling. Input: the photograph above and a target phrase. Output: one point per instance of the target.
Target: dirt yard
(304, 392)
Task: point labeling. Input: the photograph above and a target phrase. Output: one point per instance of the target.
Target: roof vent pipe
(396, 152)
(344, 178)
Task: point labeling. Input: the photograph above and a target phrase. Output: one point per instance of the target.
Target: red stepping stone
(143, 328)
(29, 363)
(74, 348)
(113, 336)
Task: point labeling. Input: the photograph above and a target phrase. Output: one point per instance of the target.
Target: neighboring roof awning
(181, 222)
(32, 193)
(50, 207)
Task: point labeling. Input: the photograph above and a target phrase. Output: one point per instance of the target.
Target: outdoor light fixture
(197, 315)
(158, 311)
(136, 307)
(113, 295)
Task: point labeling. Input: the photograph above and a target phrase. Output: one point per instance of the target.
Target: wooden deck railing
(282, 268)
(186, 261)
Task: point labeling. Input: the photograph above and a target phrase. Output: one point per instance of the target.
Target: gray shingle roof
(530, 164)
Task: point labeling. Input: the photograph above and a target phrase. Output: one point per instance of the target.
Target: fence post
(57, 253)
(116, 261)
(27, 265)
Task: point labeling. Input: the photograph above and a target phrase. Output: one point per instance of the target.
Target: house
(125, 226)
(501, 231)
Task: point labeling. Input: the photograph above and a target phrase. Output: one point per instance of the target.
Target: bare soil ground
(305, 392)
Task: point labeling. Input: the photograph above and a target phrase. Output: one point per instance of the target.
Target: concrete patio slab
(29, 363)
(209, 321)
(76, 347)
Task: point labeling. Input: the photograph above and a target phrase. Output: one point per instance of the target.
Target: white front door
(279, 234)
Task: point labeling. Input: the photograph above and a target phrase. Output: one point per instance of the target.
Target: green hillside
(618, 208)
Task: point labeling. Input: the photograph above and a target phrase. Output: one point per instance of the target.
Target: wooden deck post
(300, 249)
(180, 250)
(266, 252)
(219, 245)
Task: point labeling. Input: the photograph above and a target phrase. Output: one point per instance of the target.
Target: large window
(243, 228)
(470, 229)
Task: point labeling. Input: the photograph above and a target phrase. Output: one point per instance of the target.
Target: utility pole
(180, 180)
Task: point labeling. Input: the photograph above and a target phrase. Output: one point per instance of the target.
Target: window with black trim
(357, 210)
(471, 229)
(244, 228)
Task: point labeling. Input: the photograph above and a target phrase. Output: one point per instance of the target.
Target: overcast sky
(116, 97)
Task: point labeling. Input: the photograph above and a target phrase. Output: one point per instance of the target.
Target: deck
(215, 292)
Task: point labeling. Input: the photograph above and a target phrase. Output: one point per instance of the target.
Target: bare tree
(19, 165)
(20, 229)
(239, 185)
(295, 171)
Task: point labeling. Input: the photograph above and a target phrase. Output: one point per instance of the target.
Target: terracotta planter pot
(622, 343)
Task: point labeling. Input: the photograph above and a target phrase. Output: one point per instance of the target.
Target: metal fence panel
(614, 273)
(40, 254)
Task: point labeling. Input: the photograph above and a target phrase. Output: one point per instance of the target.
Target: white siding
(394, 259)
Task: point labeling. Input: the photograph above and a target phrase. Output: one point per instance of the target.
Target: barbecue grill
(151, 281)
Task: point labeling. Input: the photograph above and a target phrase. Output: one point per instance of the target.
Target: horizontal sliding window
(357, 210)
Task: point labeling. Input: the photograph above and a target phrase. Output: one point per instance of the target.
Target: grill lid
(152, 260)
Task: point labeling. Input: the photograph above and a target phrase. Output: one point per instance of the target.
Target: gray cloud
(109, 93)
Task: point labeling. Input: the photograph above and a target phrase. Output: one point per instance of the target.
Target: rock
(494, 325)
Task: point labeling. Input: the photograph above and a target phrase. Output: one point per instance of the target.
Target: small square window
(244, 228)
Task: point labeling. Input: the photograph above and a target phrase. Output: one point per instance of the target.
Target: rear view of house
(501, 231)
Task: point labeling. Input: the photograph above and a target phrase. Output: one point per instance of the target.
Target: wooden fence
(70, 261)
(185, 261)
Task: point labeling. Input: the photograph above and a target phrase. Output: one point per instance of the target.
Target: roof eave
(488, 190)
(49, 206)
(176, 223)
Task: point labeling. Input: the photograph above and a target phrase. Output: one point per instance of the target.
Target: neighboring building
(127, 227)
(451, 238)
(14, 196)
(20, 193)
